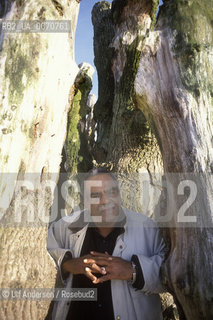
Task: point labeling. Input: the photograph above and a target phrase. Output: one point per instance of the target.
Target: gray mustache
(105, 206)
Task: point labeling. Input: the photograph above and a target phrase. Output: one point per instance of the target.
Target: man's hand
(116, 268)
(79, 266)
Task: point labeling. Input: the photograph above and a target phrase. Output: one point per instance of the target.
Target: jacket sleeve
(150, 265)
(56, 245)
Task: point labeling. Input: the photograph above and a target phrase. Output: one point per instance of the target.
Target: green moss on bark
(129, 119)
(155, 4)
(73, 139)
(191, 24)
(126, 83)
(19, 64)
(78, 156)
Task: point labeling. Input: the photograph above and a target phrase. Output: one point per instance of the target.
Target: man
(110, 248)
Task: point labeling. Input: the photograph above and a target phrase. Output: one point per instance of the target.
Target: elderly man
(110, 248)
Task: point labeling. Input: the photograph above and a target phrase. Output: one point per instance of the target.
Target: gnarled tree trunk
(124, 138)
(174, 90)
(153, 115)
(167, 74)
(37, 72)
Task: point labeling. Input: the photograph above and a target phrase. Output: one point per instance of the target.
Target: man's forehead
(100, 180)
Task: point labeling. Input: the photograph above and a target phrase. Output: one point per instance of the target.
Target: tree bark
(78, 148)
(78, 156)
(176, 63)
(37, 72)
(166, 74)
(124, 138)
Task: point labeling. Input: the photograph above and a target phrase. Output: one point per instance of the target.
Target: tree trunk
(176, 64)
(124, 138)
(37, 72)
(153, 116)
(166, 74)
(78, 157)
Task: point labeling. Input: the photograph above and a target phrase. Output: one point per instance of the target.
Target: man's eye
(95, 195)
(113, 193)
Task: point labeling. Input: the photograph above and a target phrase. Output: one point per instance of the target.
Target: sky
(84, 38)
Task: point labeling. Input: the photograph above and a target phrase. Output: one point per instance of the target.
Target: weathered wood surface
(174, 90)
(124, 138)
(154, 115)
(167, 74)
(37, 72)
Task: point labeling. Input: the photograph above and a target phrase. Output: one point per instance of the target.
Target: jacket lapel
(76, 241)
(119, 246)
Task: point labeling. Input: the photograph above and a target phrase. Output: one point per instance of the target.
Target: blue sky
(84, 38)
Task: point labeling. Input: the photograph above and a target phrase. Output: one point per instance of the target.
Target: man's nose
(104, 198)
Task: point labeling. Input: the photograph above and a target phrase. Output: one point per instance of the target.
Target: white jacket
(141, 237)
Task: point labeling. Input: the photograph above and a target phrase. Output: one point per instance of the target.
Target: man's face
(102, 198)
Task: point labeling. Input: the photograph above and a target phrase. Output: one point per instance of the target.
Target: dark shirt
(102, 308)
